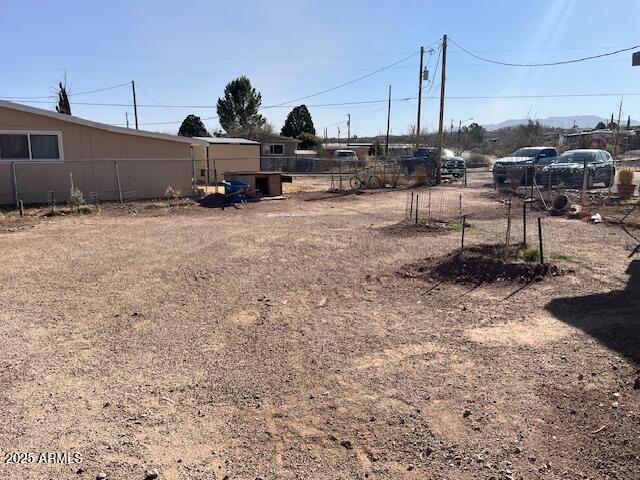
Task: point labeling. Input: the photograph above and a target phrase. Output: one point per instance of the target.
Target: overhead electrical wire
(548, 64)
(70, 94)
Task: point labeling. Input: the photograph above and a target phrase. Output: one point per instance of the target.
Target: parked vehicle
(520, 166)
(421, 157)
(451, 164)
(569, 169)
(349, 155)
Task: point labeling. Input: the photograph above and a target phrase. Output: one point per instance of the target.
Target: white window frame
(278, 154)
(28, 133)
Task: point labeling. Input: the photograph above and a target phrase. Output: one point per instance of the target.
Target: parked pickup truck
(521, 165)
(452, 165)
(569, 169)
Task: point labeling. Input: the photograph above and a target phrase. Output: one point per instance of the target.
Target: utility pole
(420, 73)
(348, 128)
(441, 124)
(126, 118)
(386, 150)
(135, 105)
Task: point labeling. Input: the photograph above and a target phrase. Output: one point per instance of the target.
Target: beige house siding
(146, 165)
(228, 158)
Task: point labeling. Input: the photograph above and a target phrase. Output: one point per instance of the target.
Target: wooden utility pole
(135, 105)
(441, 124)
(386, 149)
(419, 97)
(126, 118)
(348, 128)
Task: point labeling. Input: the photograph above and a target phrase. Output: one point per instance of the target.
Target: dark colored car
(451, 164)
(569, 169)
(421, 157)
(519, 167)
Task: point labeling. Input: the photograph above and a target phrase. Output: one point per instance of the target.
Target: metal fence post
(16, 194)
(524, 223)
(115, 162)
(540, 239)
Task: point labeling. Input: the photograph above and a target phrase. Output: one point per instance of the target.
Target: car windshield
(346, 154)
(576, 157)
(526, 152)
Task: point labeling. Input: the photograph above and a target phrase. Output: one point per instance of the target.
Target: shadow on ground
(611, 318)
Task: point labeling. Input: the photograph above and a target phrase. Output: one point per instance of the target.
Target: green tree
(238, 110)
(476, 133)
(298, 121)
(192, 126)
(63, 105)
(308, 141)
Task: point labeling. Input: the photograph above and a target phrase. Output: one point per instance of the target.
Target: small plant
(76, 198)
(171, 194)
(529, 254)
(626, 175)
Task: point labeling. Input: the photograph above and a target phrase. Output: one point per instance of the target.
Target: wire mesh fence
(434, 207)
(583, 181)
(38, 183)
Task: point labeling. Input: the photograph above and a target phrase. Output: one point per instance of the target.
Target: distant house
(43, 154)
(279, 146)
(594, 138)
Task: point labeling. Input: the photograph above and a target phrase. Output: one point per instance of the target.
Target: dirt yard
(279, 341)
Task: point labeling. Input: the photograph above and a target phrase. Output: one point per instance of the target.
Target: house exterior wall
(146, 166)
(228, 158)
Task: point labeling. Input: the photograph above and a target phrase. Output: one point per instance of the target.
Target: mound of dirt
(482, 263)
(407, 228)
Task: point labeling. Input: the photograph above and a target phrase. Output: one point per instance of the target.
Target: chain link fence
(40, 183)
(583, 184)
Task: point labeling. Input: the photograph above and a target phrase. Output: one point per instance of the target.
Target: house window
(276, 149)
(30, 146)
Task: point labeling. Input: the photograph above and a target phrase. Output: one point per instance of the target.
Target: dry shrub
(172, 194)
(420, 175)
(626, 175)
(478, 160)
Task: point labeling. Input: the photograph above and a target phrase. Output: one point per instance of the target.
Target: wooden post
(135, 104)
(417, 204)
(540, 239)
(441, 122)
(386, 150)
(429, 205)
(419, 97)
(585, 173)
(21, 205)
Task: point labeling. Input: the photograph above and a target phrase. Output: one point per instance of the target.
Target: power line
(202, 58)
(70, 94)
(564, 62)
(382, 69)
(345, 104)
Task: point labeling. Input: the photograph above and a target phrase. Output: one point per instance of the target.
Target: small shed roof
(227, 141)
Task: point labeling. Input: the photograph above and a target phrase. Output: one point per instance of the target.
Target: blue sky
(185, 53)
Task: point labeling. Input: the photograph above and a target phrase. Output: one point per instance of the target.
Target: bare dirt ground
(279, 341)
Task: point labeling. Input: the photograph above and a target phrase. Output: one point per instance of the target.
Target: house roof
(102, 126)
(227, 141)
(272, 137)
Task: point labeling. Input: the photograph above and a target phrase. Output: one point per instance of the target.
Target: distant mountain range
(582, 121)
